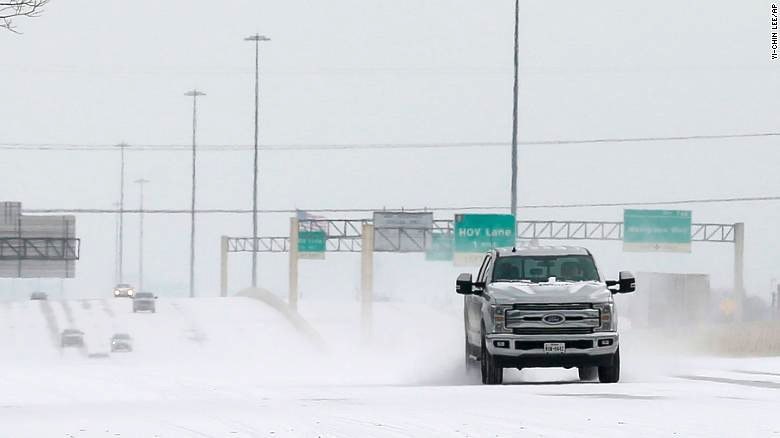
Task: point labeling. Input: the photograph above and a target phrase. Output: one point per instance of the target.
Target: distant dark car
(144, 302)
(124, 290)
(37, 296)
(121, 342)
(72, 338)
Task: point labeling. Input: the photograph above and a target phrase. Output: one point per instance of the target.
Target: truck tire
(492, 372)
(611, 373)
(588, 374)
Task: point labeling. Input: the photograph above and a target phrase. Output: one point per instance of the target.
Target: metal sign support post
(739, 259)
(223, 266)
(366, 278)
(293, 271)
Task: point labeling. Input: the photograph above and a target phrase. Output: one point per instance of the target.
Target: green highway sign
(439, 248)
(475, 234)
(657, 230)
(311, 244)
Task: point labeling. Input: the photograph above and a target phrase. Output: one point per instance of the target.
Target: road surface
(236, 368)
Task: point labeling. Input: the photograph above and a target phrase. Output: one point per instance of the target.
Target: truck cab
(542, 306)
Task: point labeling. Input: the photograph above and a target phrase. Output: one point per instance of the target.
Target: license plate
(554, 347)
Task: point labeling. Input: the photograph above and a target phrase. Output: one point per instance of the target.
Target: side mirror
(627, 282)
(464, 285)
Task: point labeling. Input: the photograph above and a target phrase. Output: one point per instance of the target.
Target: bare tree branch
(11, 9)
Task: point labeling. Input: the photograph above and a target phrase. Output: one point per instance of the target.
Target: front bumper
(528, 350)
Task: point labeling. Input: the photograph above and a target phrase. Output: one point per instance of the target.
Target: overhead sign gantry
(360, 235)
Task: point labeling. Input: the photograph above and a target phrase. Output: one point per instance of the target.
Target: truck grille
(552, 331)
(542, 319)
(542, 306)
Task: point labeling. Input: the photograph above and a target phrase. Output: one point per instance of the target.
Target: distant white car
(37, 296)
(121, 342)
(124, 290)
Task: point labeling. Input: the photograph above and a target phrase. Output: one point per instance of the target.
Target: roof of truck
(542, 251)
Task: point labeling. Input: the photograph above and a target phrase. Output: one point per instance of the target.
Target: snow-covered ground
(237, 368)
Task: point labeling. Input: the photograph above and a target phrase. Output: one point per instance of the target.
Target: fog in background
(357, 72)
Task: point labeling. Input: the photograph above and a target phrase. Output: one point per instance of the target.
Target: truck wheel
(588, 373)
(492, 372)
(611, 373)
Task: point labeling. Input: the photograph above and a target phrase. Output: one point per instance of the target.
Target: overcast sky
(402, 71)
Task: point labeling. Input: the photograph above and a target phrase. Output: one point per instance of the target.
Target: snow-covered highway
(237, 368)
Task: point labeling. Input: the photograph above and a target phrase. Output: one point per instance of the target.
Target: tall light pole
(116, 243)
(257, 38)
(194, 93)
(514, 116)
(141, 183)
(122, 146)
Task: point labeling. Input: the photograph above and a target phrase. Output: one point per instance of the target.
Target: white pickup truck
(542, 307)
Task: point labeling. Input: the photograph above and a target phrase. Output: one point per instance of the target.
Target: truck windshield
(538, 269)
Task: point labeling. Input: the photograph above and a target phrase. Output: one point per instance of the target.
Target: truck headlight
(607, 319)
(498, 312)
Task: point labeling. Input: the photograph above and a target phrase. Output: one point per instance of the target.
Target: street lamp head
(257, 37)
(141, 181)
(194, 93)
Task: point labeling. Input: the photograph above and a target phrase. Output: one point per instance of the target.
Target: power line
(167, 147)
(413, 209)
(350, 71)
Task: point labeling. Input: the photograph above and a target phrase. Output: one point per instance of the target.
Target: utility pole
(257, 38)
(194, 93)
(122, 146)
(141, 183)
(116, 243)
(514, 115)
